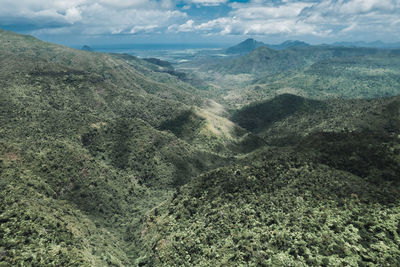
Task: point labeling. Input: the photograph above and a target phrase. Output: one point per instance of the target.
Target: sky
(76, 22)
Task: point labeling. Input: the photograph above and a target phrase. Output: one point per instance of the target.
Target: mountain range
(280, 158)
(250, 44)
(375, 44)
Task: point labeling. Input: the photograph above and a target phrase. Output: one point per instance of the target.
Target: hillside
(113, 160)
(375, 44)
(250, 44)
(82, 154)
(278, 209)
(321, 195)
(365, 76)
(264, 60)
(317, 72)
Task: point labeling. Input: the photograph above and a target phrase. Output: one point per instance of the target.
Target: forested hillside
(317, 72)
(323, 190)
(83, 154)
(113, 160)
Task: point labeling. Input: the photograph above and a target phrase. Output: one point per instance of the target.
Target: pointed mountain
(87, 48)
(244, 47)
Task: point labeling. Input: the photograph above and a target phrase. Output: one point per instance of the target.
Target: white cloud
(308, 17)
(256, 12)
(57, 9)
(364, 6)
(188, 26)
(91, 16)
(207, 2)
(72, 15)
(257, 17)
(354, 16)
(123, 3)
(139, 29)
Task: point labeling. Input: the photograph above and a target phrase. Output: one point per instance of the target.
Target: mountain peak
(249, 41)
(246, 46)
(87, 48)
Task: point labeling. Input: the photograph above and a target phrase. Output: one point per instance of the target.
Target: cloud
(90, 16)
(140, 29)
(257, 12)
(207, 2)
(258, 18)
(291, 18)
(186, 27)
(122, 4)
(365, 6)
(63, 12)
(323, 18)
(354, 16)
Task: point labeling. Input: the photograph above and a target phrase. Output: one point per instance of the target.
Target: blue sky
(74, 22)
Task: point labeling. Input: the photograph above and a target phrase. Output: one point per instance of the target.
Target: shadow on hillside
(366, 154)
(258, 117)
(184, 126)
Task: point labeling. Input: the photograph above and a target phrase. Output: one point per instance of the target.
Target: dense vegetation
(82, 158)
(324, 192)
(250, 44)
(111, 160)
(317, 72)
(279, 209)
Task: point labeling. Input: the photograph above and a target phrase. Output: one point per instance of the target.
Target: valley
(254, 155)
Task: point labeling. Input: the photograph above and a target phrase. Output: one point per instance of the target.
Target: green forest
(285, 157)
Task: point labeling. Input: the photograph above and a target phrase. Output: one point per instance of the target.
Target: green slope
(264, 61)
(288, 116)
(108, 160)
(277, 210)
(318, 72)
(319, 194)
(351, 77)
(79, 134)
